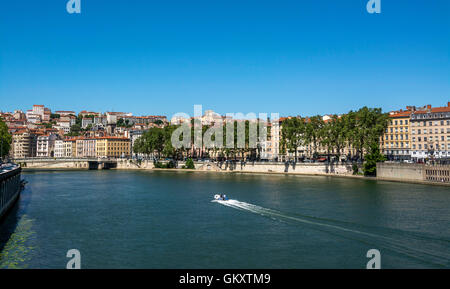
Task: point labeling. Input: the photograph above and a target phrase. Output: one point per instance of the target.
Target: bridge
(65, 163)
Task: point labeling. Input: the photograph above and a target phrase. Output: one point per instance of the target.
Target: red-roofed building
(396, 142)
(430, 132)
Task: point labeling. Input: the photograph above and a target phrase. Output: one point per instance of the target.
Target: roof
(396, 114)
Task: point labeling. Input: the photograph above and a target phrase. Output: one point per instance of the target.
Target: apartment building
(396, 142)
(111, 146)
(60, 151)
(23, 144)
(430, 133)
(86, 148)
(46, 145)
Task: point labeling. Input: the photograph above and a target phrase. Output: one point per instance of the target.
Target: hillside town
(413, 134)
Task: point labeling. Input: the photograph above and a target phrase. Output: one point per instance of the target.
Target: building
(38, 114)
(60, 149)
(430, 133)
(85, 147)
(114, 147)
(65, 112)
(63, 125)
(46, 145)
(23, 144)
(396, 142)
(85, 122)
(270, 149)
(65, 148)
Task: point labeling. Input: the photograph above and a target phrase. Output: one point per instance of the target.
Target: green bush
(355, 169)
(169, 165)
(190, 164)
(370, 165)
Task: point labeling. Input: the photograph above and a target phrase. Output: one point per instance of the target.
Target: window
(406, 121)
(401, 122)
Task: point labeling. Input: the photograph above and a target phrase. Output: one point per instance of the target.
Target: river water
(159, 219)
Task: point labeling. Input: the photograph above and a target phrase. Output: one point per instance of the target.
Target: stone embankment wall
(414, 172)
(298, 168)
(45, 164)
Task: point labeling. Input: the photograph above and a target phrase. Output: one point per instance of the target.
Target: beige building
(430, 133)
(85, 148)
(23, 144)
(111, 146)
(396, 142)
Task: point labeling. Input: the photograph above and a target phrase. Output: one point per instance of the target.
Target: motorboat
(220, 197)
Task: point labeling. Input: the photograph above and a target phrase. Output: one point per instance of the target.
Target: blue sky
(162, 57)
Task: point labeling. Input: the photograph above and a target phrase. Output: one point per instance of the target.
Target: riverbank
(360, 177)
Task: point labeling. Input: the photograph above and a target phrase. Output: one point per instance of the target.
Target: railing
(437, 173)
(55, 159)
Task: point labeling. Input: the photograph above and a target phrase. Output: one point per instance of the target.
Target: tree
(5, 139)
(312, 131)
(190, 164)
(292, 135)
(75, 130)
(369, 125)
(333, 135)
(374, 156)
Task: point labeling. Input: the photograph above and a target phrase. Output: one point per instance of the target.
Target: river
(162, 219)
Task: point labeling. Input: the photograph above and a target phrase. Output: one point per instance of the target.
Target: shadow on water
(15, 230)
(8, 223)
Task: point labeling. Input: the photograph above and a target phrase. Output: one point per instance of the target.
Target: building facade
(23, 144)
(114, 147)
(46, 145)
(430, 130)
(396, 142)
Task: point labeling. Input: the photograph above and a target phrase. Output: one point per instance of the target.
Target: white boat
(220, 197)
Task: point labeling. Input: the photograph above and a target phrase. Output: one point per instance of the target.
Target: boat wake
(429, 249)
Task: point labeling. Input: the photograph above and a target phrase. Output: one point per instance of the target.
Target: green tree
(313, 131)
(190, 164)
(75, 130)
(292, 135)
(5, 139)
(369, 125)
(374, 156)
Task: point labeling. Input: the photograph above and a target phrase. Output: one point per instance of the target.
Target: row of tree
(158, 141)
(359, 130)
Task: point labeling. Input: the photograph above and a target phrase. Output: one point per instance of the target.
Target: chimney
(448, 104)
(428, 106)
